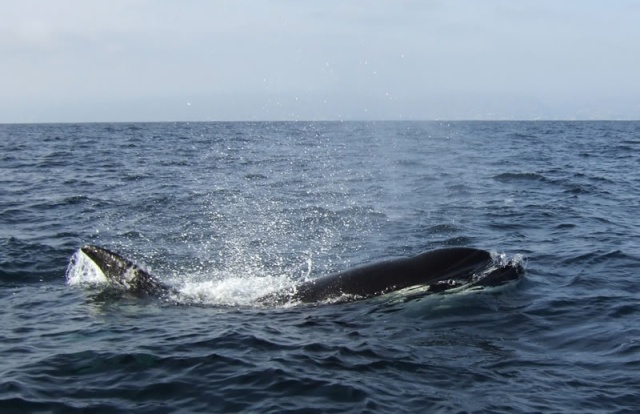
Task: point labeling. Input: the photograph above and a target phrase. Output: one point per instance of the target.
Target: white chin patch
(83, 271)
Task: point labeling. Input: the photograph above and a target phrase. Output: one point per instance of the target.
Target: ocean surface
(230, 211)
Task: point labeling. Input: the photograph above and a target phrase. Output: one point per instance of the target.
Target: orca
(437, 270)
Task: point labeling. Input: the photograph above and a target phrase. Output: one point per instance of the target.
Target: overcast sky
(190, 60)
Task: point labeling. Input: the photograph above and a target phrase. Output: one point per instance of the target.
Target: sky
(240, 60)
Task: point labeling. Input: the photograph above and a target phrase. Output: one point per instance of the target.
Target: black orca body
(439, 269)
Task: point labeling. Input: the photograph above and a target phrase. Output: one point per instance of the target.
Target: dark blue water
(228, 211)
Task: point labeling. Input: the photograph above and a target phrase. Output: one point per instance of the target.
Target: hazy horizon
(157, 61)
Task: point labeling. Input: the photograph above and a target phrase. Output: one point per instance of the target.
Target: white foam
(229, 290)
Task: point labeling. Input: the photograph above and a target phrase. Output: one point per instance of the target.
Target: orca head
(513, 270)
(122, 272)
(110, 263)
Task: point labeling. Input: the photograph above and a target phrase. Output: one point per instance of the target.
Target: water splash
(502, 259)
(241, 283)
(83, 272)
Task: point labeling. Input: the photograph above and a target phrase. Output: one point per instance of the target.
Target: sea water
(231, 211)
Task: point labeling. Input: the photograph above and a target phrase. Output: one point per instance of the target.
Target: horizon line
(320, 121)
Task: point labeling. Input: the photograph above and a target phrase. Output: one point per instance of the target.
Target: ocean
(229, 211)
